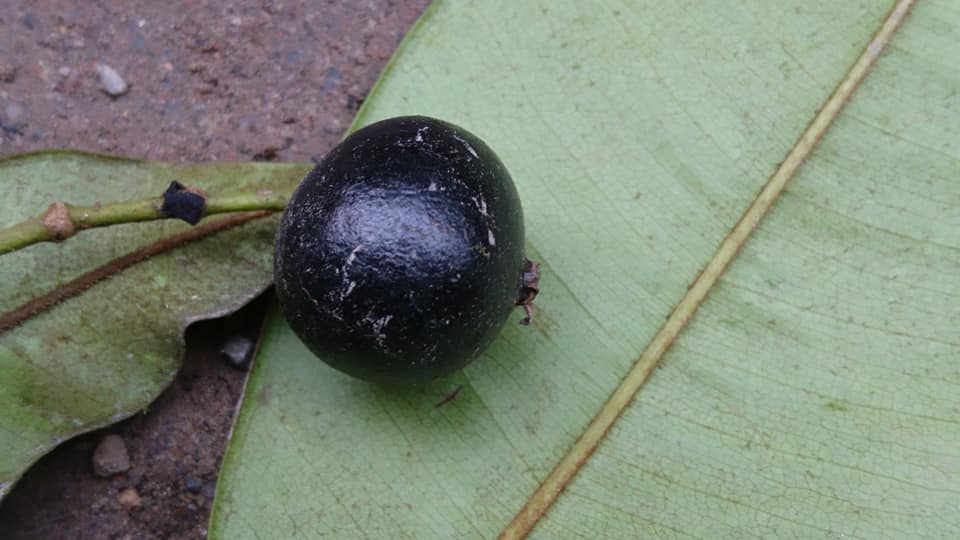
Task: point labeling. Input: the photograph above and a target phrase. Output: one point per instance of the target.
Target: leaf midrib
(540, 501)
(79, 284)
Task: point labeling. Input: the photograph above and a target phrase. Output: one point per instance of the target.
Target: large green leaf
(816, 391)
(107, 352)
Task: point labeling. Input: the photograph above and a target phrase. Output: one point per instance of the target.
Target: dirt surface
(204, 81)
(174, 449)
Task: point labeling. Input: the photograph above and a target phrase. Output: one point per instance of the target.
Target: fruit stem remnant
(529, 288)
(61, 221)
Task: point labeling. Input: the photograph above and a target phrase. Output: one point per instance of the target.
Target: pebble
(192, 485)
(8, 72)
(129, 498)
(12, 111)
(113, 83)
(238, 350)
(110, 457)
(331, 78)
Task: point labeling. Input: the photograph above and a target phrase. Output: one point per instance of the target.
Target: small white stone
(13, 111)
(113, 83)
(238, 350)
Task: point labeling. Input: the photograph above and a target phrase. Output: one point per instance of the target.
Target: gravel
(113, 83)
(111, 457)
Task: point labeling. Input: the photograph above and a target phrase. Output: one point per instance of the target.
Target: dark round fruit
(399, 257)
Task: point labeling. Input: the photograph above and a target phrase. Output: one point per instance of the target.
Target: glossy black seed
(399, 257)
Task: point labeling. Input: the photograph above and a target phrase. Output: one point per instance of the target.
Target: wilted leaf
(106, 353)
(815, 392)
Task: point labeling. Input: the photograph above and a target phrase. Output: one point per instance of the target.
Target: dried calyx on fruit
(401, 255)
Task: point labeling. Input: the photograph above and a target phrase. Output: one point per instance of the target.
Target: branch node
(57, 221)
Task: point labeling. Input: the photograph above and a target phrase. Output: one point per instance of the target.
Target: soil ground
(207, 81)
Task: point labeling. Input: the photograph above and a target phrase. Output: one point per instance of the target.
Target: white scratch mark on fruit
(490, 238)
(481, 205)
(378, 326)
(346, 283)
(353, 256)
(420, 132)
(381, 322)
(467, 145)
(310, 296)
(432, 186)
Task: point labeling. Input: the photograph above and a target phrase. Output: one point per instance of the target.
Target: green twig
(61, 221)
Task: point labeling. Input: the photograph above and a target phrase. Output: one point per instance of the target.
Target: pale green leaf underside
(817, 389)
(107, 353)
(817, 392)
